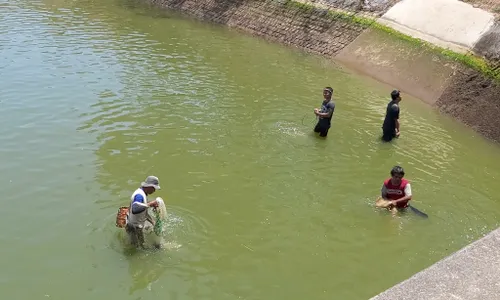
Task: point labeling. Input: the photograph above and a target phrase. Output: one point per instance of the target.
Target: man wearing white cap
(138, 218)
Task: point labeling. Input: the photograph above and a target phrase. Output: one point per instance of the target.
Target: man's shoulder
(138, 197)
(138, 194)
(331, 104)
(394, 108)
(394, 105)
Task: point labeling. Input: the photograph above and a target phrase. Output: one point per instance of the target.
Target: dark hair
(395, 94)
(329, 89)
(397, 170)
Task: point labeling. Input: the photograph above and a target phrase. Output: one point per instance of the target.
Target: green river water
(96, 95)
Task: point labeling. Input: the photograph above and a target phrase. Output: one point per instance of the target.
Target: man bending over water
(397, 189)
(138, 219)
(325, 114)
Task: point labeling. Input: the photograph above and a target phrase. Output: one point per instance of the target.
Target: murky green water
(95, 95)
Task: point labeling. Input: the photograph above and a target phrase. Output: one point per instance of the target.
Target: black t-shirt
(327, 107)
(391, 115)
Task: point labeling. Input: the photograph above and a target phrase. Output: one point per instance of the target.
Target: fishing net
(381, 202)
(160, 215)
(309, 120)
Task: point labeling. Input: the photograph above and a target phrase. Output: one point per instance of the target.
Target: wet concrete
(418, 72)
(469, 274)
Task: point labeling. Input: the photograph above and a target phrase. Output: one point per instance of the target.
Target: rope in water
(310, 123)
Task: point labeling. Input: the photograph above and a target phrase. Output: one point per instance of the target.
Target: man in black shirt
(325, 114)
(390, 128)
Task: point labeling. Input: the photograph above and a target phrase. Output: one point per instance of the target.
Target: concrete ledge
(450, 24)
(472, 273)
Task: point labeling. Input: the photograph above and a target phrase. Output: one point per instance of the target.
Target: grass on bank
(475, 62)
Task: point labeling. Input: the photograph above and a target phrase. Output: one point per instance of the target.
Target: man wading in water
(325, 114)
(397, 190)
(138, 219)
(390, 128)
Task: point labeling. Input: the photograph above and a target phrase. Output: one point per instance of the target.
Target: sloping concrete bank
(470, 274)
(456, 83)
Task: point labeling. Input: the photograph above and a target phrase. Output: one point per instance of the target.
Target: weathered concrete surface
(472, 273)
(489, 44)
(375, 7)
(492, 6)
(407, 67)
(450, 24)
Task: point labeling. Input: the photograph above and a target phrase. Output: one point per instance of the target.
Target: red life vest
(395, 192)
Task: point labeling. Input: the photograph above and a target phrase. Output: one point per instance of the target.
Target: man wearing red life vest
(397, 189)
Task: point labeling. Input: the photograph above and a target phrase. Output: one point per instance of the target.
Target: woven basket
(121, 217)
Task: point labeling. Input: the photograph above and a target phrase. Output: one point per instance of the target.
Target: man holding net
(138, 219)
(396, 191)
(325, 114)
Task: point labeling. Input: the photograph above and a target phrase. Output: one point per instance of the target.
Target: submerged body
(390, 127)
(396, 190)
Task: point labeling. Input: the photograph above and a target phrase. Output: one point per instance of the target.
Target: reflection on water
(100, 94)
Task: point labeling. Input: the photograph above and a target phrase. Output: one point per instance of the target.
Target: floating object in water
(121, 217)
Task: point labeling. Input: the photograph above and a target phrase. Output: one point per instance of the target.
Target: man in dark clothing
(325, 114)
(390, 128)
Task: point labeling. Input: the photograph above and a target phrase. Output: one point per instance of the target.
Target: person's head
(327, 93)
(150, 185)
(396, 96)
(397, 174)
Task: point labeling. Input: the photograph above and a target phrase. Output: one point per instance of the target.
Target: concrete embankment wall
(469, 274)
